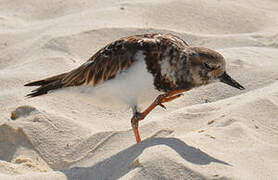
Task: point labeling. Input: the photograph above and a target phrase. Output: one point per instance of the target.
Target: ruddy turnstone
(163, 62)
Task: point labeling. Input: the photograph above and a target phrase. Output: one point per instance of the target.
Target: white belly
(131, 87)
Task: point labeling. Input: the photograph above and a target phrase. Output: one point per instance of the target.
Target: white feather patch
(133, 86)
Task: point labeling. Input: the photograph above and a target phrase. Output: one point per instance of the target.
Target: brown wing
(104, 65)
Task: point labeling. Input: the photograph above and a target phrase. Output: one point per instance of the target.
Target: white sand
(65, 135)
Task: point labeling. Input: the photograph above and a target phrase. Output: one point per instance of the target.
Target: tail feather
(46, 81)
(37, 83)
(76, 77)
(45, 88)
(52, 83)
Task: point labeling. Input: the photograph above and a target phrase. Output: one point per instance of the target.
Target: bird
(133, 65)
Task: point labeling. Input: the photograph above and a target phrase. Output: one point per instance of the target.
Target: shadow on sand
(118, 165)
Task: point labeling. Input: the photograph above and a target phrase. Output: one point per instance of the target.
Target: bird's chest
(171, 75)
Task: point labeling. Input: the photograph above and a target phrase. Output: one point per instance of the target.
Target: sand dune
(213, 132)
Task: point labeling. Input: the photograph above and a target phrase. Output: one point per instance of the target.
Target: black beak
(225, 78)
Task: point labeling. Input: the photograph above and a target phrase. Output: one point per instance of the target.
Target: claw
(161, 105)
(164, 98)
(178, 95)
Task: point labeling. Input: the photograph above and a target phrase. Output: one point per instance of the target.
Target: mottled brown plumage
(117, 57)
(174, 66)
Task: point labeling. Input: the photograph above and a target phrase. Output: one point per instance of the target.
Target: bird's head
(209, 66)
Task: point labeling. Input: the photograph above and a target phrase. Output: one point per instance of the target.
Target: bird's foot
(159, 99)
(163, 98)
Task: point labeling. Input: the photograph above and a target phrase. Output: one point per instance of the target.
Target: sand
(213, 132)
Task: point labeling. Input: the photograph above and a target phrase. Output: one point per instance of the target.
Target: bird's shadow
(120, 164)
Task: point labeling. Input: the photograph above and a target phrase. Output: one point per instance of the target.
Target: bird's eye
(208, 67)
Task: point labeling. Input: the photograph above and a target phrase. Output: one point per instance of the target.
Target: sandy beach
(212, 132)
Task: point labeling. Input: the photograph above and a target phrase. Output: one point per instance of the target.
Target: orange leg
(158, 101)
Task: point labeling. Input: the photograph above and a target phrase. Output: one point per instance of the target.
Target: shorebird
(162, 62)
